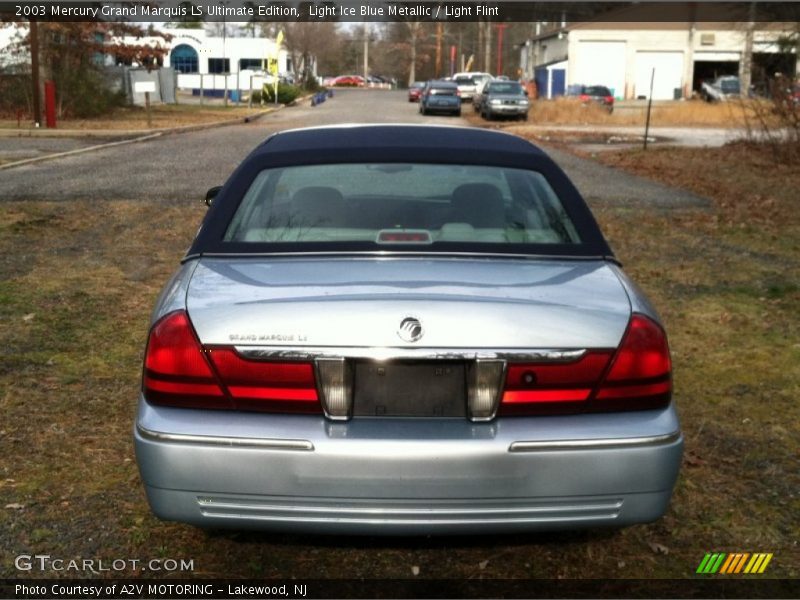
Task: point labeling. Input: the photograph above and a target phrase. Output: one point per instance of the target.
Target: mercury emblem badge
(410, 329)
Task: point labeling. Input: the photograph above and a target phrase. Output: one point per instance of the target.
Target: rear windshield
(505, 87)
(444, 90)
(401, 203)
(597, 90)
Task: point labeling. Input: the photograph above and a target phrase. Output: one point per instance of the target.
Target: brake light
(609, 99)
(176, 372)
(179, 371)
(266, 386)
(637, 376)
(545, 388)
(641, 373)
(584, 98)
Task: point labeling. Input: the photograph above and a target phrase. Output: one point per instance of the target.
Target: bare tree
(414, 30)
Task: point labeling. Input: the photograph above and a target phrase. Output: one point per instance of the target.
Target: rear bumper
(511, 109)
(300, 473)
(449, 107)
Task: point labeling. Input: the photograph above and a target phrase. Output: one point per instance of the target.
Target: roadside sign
(140, 87)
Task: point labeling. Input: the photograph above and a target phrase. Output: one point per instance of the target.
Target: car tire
(457, 113)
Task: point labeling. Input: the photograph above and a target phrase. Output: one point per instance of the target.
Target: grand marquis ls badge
(410, 329)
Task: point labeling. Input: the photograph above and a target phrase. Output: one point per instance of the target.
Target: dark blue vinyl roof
(394, 144)
(418, 137)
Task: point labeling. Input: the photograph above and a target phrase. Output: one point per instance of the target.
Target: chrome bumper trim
(232, 442)
(391, 353)
(655, 440)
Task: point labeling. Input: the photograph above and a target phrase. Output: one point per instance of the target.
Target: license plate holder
(410, 389)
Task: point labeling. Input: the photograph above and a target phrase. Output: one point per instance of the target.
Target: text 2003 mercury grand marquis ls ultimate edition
(404, 329)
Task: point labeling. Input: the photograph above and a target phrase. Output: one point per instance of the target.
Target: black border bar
(705, 587)
(451, 11)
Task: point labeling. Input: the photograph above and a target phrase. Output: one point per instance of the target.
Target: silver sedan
(381, 329)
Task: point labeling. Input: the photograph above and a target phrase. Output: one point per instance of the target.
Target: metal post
(224, 38)
(250, 93)
(201, 89)
(37, 101)
(649, 105)
(147, 107)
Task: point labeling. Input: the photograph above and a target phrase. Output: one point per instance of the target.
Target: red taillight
(178, 371)
(639, 377)
(273, 386)
(609, 99)
(540, 388)
(584, 98)
(641, 373)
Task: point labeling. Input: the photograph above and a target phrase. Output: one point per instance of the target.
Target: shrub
(286, 94)
(775, 121)
(86, 93)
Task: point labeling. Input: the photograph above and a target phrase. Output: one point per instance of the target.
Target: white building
(621, 54)
(216, 63)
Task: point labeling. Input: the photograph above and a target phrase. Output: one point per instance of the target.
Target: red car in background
(598, 94)
(349, 81)
(415, 91)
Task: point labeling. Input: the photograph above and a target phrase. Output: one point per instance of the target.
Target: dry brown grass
(162, 116)
(692, 113)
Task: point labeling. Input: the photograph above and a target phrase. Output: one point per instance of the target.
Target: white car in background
(470, 82)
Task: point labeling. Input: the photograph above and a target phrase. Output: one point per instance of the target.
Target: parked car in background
(503, 98)
(408, 330)
(415, 91)
(596, 94)
(720, 89)
(468, 83)
(349, 81)
(440, 96)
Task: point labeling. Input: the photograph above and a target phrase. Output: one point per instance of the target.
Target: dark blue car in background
(440, 96)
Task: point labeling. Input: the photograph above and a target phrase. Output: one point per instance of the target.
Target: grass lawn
(78, 280)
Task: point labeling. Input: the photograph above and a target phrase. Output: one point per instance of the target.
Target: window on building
(183, 59)
(250, 63)
(219, 65)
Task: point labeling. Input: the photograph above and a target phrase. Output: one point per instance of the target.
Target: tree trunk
(412, 72)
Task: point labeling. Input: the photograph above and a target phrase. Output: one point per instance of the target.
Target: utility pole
(500, 28)
(439, 33)
(746, 69)
(366, 51)
(487, 49)
(37, 98)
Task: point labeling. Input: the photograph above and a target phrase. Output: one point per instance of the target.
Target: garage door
(668, 75)
(601, 63)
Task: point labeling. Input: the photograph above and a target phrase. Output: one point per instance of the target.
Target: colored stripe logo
(734, 563)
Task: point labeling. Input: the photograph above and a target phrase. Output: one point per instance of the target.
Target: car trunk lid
(363, 302)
